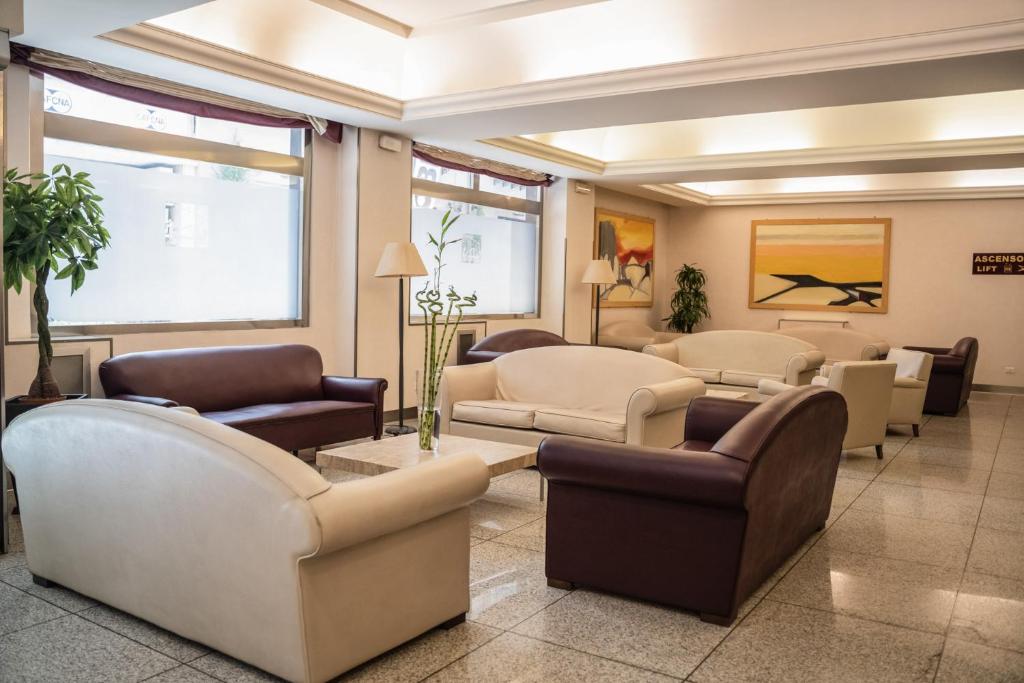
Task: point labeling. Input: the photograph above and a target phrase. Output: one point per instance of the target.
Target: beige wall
(934, 299)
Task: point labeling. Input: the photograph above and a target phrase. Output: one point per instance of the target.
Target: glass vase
(428, 416)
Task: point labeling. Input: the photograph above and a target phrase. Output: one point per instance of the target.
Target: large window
(498, 253)
(205, 216)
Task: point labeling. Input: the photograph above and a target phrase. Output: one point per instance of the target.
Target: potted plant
(53, 225)
(690, 302)
(439, 308)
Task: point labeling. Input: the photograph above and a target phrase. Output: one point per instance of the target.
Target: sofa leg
(717, 619)
(878, 451)
(453, 622)
(917, 429)
(563, 585)
(45, 583)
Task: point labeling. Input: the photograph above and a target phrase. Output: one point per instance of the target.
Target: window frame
(492, 200)
(101, 133)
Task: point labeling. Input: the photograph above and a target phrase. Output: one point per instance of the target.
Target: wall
(934, 299)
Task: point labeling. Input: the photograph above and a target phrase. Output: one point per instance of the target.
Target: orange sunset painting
(627, 243)
(820, 265)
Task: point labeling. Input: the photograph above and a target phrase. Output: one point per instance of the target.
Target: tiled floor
(918, 577)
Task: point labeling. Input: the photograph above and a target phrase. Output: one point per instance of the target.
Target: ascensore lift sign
(999, 263)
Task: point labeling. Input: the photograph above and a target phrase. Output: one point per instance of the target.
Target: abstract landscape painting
(627, 243)
(820, 264)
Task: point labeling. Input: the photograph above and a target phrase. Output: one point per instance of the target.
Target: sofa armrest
(802, 366)
(934, 350)
(880, 349)
(475, 382)
(664, 396)
(665, 337)
(948, 365)
(709, 418)
(668, 351)
(908, 383)
(149, 400)
(358, 511)
(699, 478)
(621, 342)
(356, 389)
(772, 387)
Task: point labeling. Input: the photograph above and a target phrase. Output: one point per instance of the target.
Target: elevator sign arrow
(998, 263)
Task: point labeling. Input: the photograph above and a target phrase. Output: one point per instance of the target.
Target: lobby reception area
(512, 341)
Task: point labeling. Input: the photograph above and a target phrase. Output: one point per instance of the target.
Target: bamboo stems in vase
(442, 310)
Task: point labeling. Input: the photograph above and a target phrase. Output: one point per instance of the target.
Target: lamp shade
(400, 259)
(599, 272)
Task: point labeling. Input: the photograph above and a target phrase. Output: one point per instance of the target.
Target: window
(498, 255)
(205, 216)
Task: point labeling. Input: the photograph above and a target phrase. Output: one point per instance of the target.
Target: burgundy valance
(188, 100)
(458, 161)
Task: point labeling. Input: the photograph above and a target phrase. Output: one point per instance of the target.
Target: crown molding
(207, 55)
(540, 150)
(367, 16)
(927, 194)
(959, 42)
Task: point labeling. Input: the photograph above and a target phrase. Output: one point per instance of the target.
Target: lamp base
(399, 430)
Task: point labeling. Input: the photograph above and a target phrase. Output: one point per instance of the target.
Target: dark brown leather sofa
(949, 386)
(276, 393)
(500, 343)
(700, 526)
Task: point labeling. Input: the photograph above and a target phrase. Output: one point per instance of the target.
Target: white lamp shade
(599, 272)
(400, 259)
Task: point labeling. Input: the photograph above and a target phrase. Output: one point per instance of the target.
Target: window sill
(150, 328)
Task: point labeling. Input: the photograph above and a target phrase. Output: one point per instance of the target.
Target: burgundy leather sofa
(700, 526)
(492, 346)
(277, 393)
(949, 385)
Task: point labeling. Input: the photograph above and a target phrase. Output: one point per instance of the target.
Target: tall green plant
(438, 308)
(53, 223)
(689, 303)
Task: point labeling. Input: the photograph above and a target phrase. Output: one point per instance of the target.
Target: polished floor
(919, 576)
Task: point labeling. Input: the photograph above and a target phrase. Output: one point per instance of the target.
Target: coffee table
(377, 457)
(725, 393)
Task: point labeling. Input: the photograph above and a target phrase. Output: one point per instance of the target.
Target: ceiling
(695, 101)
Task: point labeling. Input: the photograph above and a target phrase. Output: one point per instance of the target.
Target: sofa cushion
(747, 379)
(588, 423)
(908, 363)
(502, 413)
(303, 424)
(709, 375)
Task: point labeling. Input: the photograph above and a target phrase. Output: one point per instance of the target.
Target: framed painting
(836, 264)
(627, 243)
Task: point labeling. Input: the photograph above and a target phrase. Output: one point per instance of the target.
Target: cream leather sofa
(227, 540)
(588, 391)
(913, 369)
(867, 387)
(739, 359)
(840, 343)
(631, 335)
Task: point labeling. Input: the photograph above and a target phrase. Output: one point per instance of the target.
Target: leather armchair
(913, 370)
(500, 343)
(227, 540)
(949, 385)
(701, 526)
(867, 388)
(277, 393)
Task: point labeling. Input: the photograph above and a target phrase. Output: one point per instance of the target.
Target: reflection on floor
(918, 576)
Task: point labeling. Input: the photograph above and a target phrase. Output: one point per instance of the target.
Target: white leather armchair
(866, 386)
(913, 369)
(229, 541)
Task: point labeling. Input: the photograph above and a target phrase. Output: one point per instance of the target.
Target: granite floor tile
(990, 611)
(182, 674)
(847, 490)
(666, 640)
(980, 442)
(507, 585)
(1006, 485)
(935, 476)
(20, 610)
(530, 536)
(854, 465)
(230, 670)
(780, 642)
(1010, 456)
(947, 457)
(1000, 553)
(900, 538)
(512, 657)
(524, 483)
(498, 512)
(969, 662)
(983, 425)
(1004, 514)
(162, 641)
(73, 649)
(1014, 429)
(895, 592)
(12, 559)
(21, 577)
(924, 503)
(428, 654)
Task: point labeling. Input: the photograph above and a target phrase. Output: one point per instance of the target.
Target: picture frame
(627, 243)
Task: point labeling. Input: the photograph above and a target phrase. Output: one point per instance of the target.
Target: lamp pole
(401, 427)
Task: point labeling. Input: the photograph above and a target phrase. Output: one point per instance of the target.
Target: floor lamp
(598, 272)
(400, 260)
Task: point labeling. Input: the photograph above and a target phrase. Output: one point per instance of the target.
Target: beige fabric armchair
(867, 387)
(913, 370)
(627, 334)
(227, 540)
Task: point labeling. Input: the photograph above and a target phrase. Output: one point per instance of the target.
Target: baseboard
(997, 388)
(392, 415)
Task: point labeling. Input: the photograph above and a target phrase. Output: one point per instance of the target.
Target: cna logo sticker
(151, 119)
(56, 101)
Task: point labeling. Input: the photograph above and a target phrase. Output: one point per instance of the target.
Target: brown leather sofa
(277, 393)
(700, 526)
(949, 386)
(500, 343)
